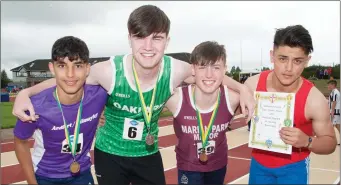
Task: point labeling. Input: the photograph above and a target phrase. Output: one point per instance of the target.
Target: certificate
(272, 112)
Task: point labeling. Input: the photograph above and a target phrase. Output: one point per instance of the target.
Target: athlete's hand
(23, 103)
(294, 137)
(101, 120)
(247, 102)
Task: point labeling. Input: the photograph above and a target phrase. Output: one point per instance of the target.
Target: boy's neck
(278, 87)
(204, 100)
(146, 76)
(69, 99)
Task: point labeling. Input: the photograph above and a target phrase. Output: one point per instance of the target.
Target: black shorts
(112, 169)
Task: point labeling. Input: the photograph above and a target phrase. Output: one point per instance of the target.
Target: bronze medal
(75, 167)
(203, 157)
(147, 113)
(149, 140)
(205, 134)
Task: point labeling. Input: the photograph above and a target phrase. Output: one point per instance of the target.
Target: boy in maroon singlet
(202, 153)
(312, 131)
(200, 160)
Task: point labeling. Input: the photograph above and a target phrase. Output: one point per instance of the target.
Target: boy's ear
(51, 68)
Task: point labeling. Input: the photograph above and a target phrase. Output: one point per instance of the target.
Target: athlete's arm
(251, 84)
(22, 132)
(333, 109)
(174, 102)
(233, 100)
(22, 151)
(316, 109)
(101, 121)
(184, 74)
(333, 105)
(100, 74)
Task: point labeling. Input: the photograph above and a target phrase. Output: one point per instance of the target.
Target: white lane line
(240, 178)
(323, 169)
(241, 158)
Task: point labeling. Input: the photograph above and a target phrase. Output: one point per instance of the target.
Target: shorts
(113, 169)
(294, 173)
(336, 120)
(82, 179)
(193, 177)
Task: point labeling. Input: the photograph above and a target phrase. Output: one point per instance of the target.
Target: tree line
(4, 79)
(234, 73)
(307, 73)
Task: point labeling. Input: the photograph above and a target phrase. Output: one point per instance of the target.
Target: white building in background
(37, 71)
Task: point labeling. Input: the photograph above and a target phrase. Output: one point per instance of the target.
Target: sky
(29, 29)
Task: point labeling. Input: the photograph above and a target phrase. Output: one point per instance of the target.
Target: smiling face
(70, 75)
(208, 66)
(148, 28)
(209, 77)
(149, 50)
(289, 63)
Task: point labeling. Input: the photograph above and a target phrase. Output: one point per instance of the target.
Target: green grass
(322, 85)
(165, 113)
(7, 120)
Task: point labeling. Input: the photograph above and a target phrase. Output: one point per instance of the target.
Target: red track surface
(236, 167)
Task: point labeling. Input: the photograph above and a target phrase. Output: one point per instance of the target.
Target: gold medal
(75, 167)
(203, 157)
(149, 140)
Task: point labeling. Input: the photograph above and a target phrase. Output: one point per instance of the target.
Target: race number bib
(66, 148)
(209, 147)
(133, 129)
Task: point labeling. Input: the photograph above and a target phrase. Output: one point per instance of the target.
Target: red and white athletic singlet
(273, 159)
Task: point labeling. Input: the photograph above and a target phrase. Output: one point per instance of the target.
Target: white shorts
(336, 120)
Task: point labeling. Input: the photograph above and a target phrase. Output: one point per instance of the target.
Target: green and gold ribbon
(147, 115)
(204, 135)
(73, 146)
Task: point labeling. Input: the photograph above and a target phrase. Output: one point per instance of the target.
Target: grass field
(7, 120)
(322, 86)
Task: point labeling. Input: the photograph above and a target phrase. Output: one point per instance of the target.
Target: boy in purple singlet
(201, 151)
(68, 118)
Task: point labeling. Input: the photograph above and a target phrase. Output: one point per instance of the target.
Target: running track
(238, 159)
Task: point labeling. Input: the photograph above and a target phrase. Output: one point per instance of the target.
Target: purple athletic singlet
(187, 130)
(52, 156)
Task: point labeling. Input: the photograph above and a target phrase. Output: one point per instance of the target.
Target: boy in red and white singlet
(312, 131)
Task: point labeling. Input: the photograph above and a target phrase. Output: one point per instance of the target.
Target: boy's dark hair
(333, 82)
(146, 20)
(71, 47)
(208, 53)
(294, 36)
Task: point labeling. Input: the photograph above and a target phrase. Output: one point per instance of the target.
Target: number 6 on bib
(133, 130)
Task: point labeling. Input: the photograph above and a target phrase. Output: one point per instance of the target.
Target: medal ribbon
(204, 135)
(73, 146)
(147, 116)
